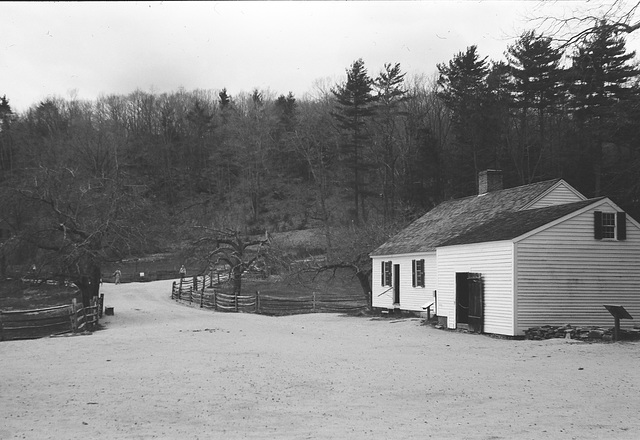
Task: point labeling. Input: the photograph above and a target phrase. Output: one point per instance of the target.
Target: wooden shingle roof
(488, 217)
(509, 225)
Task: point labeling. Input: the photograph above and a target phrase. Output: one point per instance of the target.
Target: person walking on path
(117, 274)
(183, 271)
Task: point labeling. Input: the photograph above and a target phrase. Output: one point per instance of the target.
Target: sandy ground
(168, 371)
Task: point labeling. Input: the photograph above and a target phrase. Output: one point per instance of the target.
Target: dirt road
(167, 371)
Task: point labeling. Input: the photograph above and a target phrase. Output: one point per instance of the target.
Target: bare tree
(240, 253)
(622, 16)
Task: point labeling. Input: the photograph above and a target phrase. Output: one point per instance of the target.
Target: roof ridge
(511, 188)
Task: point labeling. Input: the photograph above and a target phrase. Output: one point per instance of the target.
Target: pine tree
(391, 93)
(355, 107)
(462, 86)
(537, 91)
(6, 141)
(601, 76)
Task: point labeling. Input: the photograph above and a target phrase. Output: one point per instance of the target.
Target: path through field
(168, 371)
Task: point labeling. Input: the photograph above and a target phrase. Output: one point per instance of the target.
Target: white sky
(93, 48)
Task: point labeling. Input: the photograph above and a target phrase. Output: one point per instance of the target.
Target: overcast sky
(92, 48)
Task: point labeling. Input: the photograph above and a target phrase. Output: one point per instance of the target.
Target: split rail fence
(38, 323)
(202, 291)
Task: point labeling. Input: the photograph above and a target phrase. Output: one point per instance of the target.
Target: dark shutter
(621, 224)
(382, 269)
(597, 225)
(421, 273)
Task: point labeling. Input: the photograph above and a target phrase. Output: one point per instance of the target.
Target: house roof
(509, 225)
(492, 216)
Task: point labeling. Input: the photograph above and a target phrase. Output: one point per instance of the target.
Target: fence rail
(203, 291)
(38, 323)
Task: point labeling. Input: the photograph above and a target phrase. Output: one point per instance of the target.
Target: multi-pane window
(386, 273)
(608, 225)
(418, 273)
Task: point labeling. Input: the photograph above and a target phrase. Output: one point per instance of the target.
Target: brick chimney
(489, 180)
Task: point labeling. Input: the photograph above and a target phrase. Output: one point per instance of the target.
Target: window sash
(418, 272)
(386, 273)
(608, 225)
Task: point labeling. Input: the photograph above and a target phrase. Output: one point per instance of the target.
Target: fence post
(195, 283)
(94, 314)
(84, 315)
(100, 305)
(215, 300)
(73, 316)
(180, 290)
(202, 296)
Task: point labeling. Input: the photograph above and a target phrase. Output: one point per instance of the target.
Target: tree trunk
(89, 285)
(237, 282)
(363, 277)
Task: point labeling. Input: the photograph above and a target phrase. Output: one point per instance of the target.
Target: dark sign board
(618, 312)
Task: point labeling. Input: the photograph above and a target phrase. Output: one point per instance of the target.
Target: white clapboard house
(510, 259)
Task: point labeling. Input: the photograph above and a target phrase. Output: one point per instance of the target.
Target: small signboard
(618, 312)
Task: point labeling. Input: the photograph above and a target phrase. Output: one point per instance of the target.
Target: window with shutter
(386, 273)
(609, 225)
(418, 273)
(413, 273)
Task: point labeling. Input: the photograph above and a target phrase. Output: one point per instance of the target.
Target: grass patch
(17, 295)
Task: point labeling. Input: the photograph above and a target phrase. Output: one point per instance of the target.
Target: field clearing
(166, 371)
(16, 295)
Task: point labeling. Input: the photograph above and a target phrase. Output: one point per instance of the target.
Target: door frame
(396, 284)
(462, 298)
(476, 302)
(469, 300)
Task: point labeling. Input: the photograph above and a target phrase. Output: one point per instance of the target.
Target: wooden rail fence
(202, 291)
(38, 323)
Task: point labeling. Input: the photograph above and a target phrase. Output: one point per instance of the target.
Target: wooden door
(476, 302)
(396, 284)
(462, 298)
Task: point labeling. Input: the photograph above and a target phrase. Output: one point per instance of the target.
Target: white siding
(558, 195)
(564, 275)
(411, 298)
(495, 262)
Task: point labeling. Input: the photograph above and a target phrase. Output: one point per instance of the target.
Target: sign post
(618, 313)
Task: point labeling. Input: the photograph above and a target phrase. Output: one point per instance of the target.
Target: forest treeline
(89, 181)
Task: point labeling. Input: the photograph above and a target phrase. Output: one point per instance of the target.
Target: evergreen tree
(462, 86)
(286, 110)
(537, 91)
(391, 93)
(6, 141)
(355, 107)
(601, 75)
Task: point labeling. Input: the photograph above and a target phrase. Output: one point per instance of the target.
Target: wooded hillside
(83, 182)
